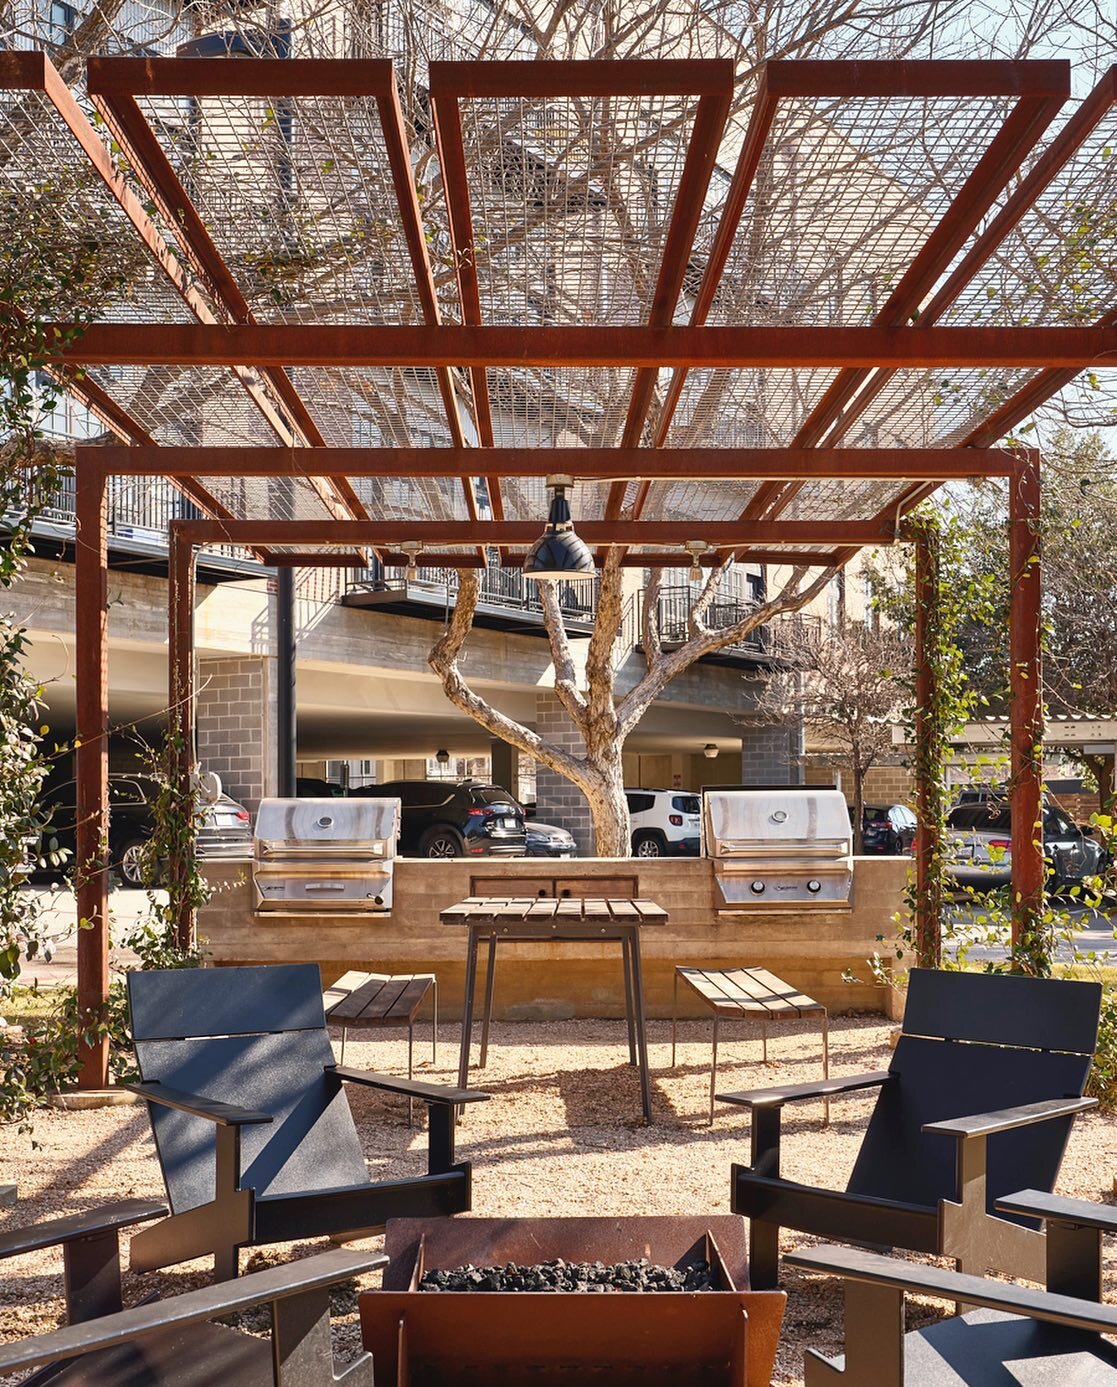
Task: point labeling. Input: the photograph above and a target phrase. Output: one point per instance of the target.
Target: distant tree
(846, 683)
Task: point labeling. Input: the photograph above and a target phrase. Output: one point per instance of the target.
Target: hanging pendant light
(558, 552)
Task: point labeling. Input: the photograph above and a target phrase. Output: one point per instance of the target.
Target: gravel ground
(561, 1136)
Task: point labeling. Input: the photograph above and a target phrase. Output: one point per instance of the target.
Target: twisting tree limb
(566, 680)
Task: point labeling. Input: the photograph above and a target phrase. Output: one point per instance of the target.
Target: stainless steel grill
(325, 856)
(779, 848)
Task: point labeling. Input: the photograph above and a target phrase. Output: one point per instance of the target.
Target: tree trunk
(858, 809)
(604, 790)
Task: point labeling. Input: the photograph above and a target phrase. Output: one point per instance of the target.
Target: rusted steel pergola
(688, 400)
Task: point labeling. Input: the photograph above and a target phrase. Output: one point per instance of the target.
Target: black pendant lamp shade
(558, 552)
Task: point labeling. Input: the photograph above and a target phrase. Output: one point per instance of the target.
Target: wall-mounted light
(442, 756)
(710, 751)
(558, 553)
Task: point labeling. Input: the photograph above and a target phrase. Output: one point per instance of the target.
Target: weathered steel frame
(270, 348)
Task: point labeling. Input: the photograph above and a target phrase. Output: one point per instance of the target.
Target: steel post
(285, 717)
(91, 873)
(181, 719)
(1025, 701)
(928, 761)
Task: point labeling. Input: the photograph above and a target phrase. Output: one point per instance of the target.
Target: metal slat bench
(382, 1000)
(752, 994)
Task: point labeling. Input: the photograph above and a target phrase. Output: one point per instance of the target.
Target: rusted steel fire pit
(697, 1338)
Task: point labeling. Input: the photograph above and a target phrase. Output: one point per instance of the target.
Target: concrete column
(772, 755)
(237, 725)
(505, 766)
(558, 800)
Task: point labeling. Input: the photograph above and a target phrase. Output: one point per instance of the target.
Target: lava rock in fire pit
(558, 1275)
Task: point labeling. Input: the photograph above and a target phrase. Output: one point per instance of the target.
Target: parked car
(548, 840)
(454, 818)
(312, 787)
(225, 829)
(665, 823)
(980, 836)
(887, 830)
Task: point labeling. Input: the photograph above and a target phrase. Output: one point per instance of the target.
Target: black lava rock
(557, 1275)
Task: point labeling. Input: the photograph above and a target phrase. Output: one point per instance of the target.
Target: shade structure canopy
(816, 305)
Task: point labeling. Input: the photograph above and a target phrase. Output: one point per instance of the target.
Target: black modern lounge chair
(985, 1060)
(1046, 1338)
(172, 1343)
(252, 1127)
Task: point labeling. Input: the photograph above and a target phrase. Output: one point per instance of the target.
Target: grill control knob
(814, 886)
(757, 888)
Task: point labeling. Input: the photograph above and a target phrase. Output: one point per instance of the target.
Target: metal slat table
(534, 919)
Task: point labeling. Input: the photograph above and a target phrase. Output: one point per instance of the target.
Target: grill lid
(330, 826)
(781, 823)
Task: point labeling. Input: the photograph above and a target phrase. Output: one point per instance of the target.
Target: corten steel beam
(437, 559)
(145, 155)
(91, 735)
(1025, 703)
(305, 344)
(1028, 398)
(705, 138)
(852, 391)
(590, 464)
(1033, 82)
(928, 724)
(35, 72)
(1061, 149)
(180, 690)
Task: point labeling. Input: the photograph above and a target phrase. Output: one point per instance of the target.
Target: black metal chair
(1048, 1338)
(252, 1127)
(172, 1343)
(984, 1059)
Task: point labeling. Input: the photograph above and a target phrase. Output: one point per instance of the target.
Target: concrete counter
(810, 949)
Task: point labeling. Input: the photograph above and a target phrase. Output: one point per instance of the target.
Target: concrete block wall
(557, 800)
(236, 721)
(772, 755)
(809, 949)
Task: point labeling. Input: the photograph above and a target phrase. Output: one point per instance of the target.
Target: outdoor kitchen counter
(810, 950)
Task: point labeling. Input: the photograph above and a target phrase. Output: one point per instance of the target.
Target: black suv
(224, 831)
(446, 818)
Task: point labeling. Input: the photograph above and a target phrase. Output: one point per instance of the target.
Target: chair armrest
(872, 1268)
(410, 1088)
(792, 1093)
(987, 1123)
(308, 1274)
(56, 1232)
(1055, 1208)
(223, 1114)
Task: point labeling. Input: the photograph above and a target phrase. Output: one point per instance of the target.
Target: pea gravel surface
(560, 1136)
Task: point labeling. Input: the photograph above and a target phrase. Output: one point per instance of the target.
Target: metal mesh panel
(571, 202)
(925, 409)
(46, 183)
(841, 500)
(297, 196)
(559, 406)
(1057, 265)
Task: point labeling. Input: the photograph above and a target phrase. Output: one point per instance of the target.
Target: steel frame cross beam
(315, 344)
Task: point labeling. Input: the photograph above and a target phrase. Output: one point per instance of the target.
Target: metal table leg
(641, 1023)
(467, 1013)
(714, 1069)
(826, 1062)
(490, 978)
(674, 1016)
(410, 1069)
(628, 1008)
(434, 1020)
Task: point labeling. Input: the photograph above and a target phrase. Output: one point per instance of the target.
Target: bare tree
(842, 682)
(604, 720)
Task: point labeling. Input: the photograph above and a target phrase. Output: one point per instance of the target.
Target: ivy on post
(92, 765)
(182, 845)
(1030, 948)
(930, 744)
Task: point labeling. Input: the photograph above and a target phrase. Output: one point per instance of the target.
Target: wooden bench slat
(781, 990)
(406, 1005)
(351, 1007)
(749, 991)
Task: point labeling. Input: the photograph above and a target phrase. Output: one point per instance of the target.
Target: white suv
(665, 823)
